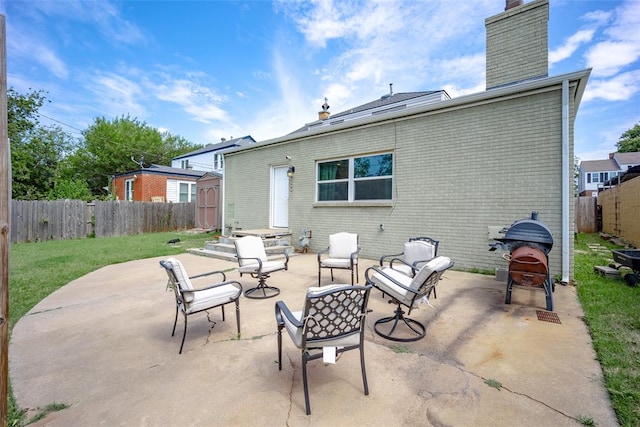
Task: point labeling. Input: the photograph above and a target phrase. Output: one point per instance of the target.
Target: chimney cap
(513, 3)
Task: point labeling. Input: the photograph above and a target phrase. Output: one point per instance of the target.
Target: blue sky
(210, 69)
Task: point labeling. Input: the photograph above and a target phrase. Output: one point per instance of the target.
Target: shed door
(279, 197)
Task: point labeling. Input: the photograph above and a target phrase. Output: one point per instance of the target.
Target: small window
(594, 177)
(588, 178)
(184, 164)
(187, 192)
(128, 190)
(218, 162)
(356, 178)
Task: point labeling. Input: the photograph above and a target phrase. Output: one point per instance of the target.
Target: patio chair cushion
(342, 245)
(267, 267)
(296, 333)
(401, 294)
(181, 274)
(415, 251)
(199, 300)
(251, 247)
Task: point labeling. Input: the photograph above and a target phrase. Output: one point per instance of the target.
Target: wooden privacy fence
(586, 213)
(620, 207)
(35, 221)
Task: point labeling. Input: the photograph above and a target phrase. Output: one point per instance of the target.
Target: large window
(355, 178)
(187, 192)
(128, 190)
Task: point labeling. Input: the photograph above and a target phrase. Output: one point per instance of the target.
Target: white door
(279, 197)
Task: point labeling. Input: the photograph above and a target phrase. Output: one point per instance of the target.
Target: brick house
(456, 170)
(156, 184)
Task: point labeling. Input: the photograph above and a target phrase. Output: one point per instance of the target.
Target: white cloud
(621, 46)
(116, 95)
(200, 102)
(22, 45)
(619, 88)
(570, 46)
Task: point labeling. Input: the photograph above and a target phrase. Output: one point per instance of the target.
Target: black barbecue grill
(528, 242)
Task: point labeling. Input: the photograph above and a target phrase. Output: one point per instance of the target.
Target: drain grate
(547, 316)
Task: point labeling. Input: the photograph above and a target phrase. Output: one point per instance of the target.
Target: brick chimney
(324, 114)
(513, 3)
(517, 43)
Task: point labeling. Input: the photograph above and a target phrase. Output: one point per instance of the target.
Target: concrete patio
(102, 345)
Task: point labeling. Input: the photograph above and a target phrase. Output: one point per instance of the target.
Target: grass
(612, 314)
(38, 269)
(610, 306)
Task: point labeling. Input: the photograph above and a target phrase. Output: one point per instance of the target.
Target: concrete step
(211, 253)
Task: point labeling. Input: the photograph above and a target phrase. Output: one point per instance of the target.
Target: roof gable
(221, 146)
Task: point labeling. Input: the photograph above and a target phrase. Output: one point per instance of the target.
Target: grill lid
(529, 231)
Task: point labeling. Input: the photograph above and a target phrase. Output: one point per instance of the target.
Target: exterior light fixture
(291, 171)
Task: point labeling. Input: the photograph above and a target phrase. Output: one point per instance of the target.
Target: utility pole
(5, 218)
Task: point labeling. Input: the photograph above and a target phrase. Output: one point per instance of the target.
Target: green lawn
(612, 313)
(612, 309)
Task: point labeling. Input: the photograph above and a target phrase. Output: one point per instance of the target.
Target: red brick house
(156, 184)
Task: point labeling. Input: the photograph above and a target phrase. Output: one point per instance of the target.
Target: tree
(36, 150)
(630, 140)
(121, 145)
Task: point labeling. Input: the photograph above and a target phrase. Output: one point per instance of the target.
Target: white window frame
(351, 180)
(191, 193)
(128, 190)
(184, 164)
(218, 162)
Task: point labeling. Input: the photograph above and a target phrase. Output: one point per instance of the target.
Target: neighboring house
(594, 173)
(156, 184)
(211, 157)
(457, 170)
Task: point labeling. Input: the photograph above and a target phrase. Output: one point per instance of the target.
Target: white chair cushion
(199, 300)
(418, 250)
(342, 245)
(180, 273)
(401, 294)
(267, 267)
(390, 287)
(250, 247)
(338, 262)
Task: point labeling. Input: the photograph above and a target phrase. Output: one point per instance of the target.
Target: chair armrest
(354, 255)
(224, 276)
(400, 260)
(281, 308)
(323, 251)
(383, 257)
(386, 276)
(257, 259)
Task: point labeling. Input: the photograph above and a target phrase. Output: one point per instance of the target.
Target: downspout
(224, 204)
(565, 181)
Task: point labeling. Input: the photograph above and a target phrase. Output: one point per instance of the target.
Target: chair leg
(414, 326)
(175, 321)
(304, 382)
(280, 347)
(184, 334)
(222, 306)
(263, 290)
(357, 274)
(237, 316)
(332, 274)
(364, 372)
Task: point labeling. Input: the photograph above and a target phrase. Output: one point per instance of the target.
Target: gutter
(565, 181)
